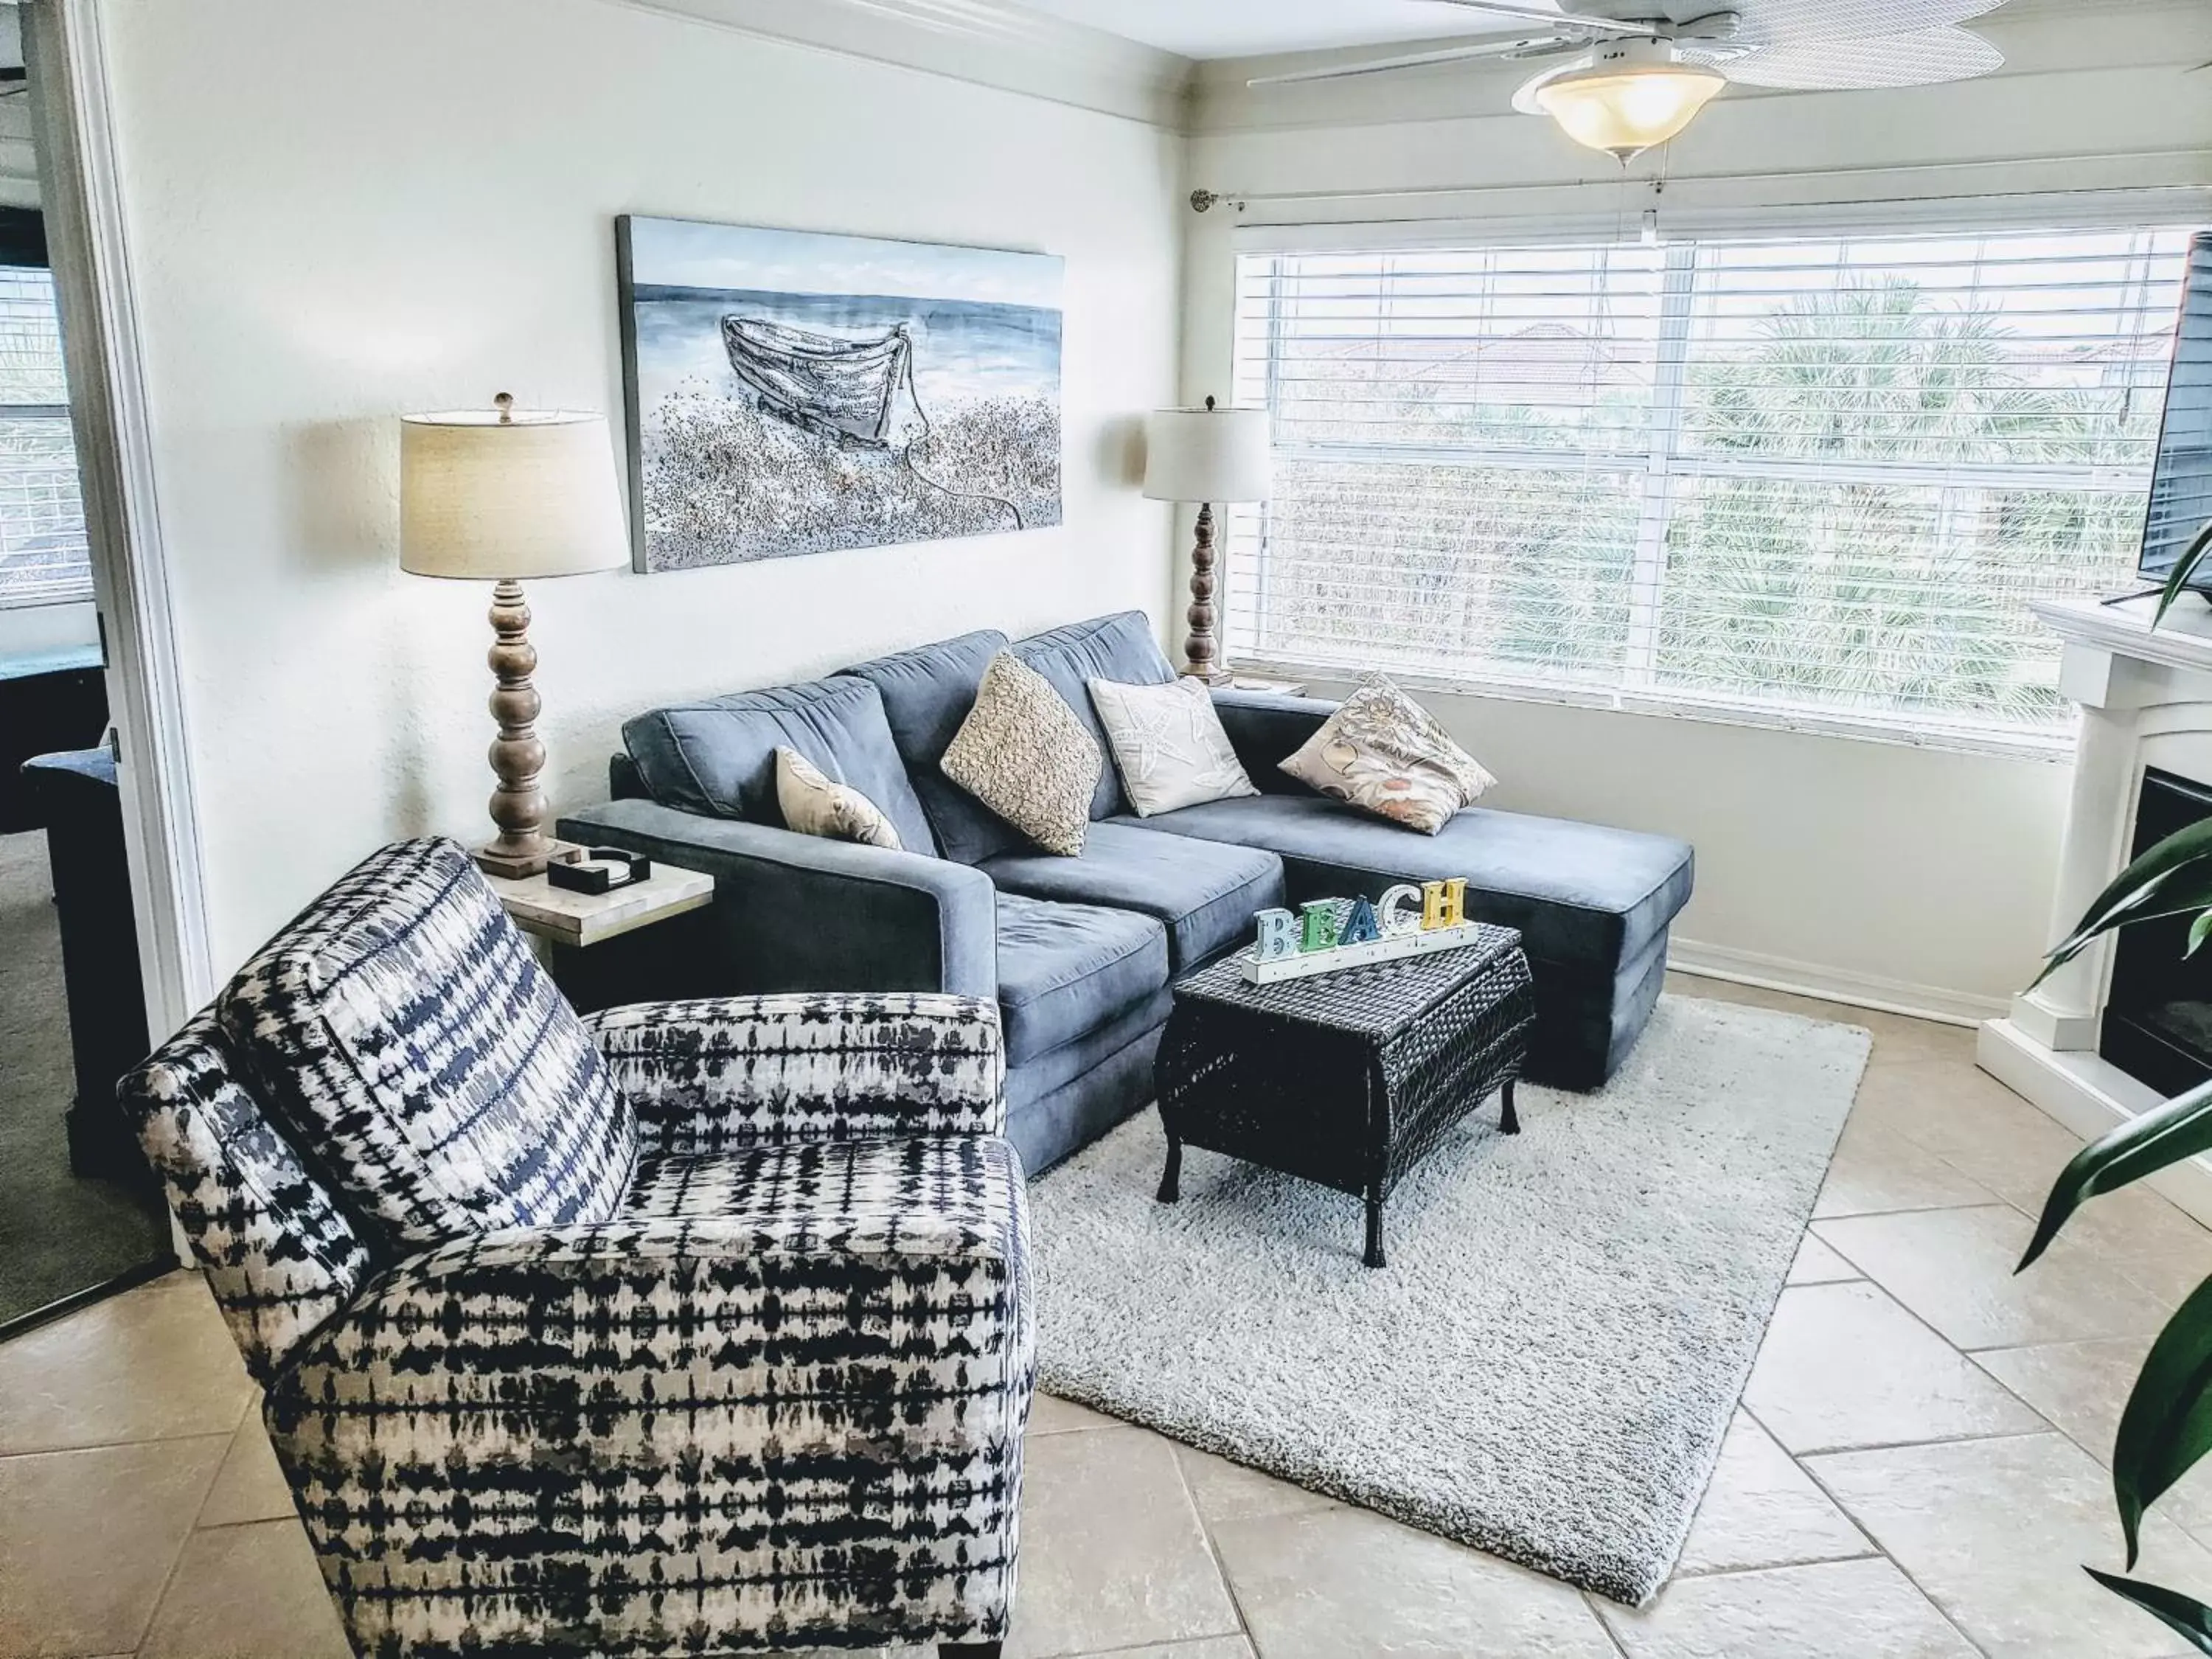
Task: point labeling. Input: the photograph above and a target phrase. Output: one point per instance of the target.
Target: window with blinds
(45, 557)
(1816, 479)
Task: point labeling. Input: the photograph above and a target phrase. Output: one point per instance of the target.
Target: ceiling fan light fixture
(1634, 96)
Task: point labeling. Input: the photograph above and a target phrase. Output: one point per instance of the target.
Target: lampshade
(1629, 100)
(1219, 455)
(494, 494)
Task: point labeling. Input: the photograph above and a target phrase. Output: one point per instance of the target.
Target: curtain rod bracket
(1204, 201)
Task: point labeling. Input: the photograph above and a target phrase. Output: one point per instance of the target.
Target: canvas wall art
(790, 392)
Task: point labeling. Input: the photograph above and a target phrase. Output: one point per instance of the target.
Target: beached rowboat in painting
(836, 387)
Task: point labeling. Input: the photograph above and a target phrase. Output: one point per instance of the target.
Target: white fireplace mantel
(2146, 700)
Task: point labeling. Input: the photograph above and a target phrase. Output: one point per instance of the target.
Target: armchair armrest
(801, 913)
(1267, 729)
(710, 1075)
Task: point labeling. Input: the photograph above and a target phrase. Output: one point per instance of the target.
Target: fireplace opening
(2158, 1023)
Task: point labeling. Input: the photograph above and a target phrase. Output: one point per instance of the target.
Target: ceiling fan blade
(1920, 59)
(1512, 9)
(1793, 22)
(1533, 47)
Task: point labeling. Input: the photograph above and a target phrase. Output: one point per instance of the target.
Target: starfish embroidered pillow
(1168, 746)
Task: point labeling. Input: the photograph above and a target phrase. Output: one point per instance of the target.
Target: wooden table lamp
(500, 495)
(1207, 455)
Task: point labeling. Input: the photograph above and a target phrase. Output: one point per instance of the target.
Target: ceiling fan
(1639, 70)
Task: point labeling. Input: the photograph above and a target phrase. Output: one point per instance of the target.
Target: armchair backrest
(403, 1033)
(278, 1252)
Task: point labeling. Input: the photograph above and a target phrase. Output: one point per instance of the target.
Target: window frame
(23, 247)
(1665, 459)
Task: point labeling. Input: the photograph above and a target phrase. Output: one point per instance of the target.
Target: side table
(567, 926)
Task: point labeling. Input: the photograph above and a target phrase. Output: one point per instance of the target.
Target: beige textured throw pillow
(1385, 754)
(1026, 754)
(815, 805)
(1168, 744)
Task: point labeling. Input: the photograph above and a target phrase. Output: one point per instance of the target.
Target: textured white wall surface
(339, 212)
(1920, 876)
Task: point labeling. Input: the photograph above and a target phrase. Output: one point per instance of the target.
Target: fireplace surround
(2108, 1037)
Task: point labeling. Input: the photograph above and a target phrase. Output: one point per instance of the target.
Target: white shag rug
(1547, 1366)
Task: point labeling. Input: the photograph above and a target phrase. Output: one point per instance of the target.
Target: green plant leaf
(2199, 931)
(2167, 1426)
(2185, 567)
(2172, 878)
(2166, 1134)
(2192, 1620)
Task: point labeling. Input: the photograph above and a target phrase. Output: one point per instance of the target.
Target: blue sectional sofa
(1079, 953)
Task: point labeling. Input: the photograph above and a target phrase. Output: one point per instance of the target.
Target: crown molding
(991, 43)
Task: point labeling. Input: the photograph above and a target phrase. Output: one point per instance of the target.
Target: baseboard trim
(1807, 979)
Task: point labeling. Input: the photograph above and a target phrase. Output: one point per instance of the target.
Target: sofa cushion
(717, 757)
(1203, 893)
(926, 693)
(1580, 893)
(1067, 970)
(1120, 648)
(1023, 754)
(815, 804)
(403, 1032)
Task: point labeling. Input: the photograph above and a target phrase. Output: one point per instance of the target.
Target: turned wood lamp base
(518, 756)
(1201, 651)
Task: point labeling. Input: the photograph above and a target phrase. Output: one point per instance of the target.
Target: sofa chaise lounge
(1078, 953)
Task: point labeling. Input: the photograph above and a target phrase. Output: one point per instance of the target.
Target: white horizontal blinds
(1818, 474)
(44, 555)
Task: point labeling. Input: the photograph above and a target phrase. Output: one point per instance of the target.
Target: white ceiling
(1238, 28)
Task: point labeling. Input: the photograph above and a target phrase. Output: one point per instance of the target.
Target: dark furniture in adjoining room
(77, 799)
(50, 702)
(1079, 953)
(1348, 1078)
(694, 1328)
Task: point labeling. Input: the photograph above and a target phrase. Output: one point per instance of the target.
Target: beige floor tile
(1972, 1123)
(2082, 1388)
(1996, 1532)
(1838, 1610)
(1955, 1269)
(1762, 1510)
(1049, 1414)
(87, 1538)
(1844, 1366)
(1211, 1646)
(1896, 1037)
(249, 1592)
(1112, 1552)
(2154, 1244)
(249, 1487)
(152, 1364)
(1229, 1491)
(1816, 1264)
(1346, 1582)
(1876, 1169)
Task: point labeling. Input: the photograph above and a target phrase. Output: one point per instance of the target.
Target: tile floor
(1916, 1473)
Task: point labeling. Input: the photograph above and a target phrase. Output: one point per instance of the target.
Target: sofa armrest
(801, 913)
(1266, 729)
(722, 1073)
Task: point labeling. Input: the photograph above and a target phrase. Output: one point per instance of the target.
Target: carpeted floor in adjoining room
(1549, 1364)
(59, 1233)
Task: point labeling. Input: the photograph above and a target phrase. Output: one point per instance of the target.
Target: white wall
(339, 211)
(1899, 874)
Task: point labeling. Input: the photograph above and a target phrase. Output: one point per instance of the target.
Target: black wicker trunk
(1350, 1078)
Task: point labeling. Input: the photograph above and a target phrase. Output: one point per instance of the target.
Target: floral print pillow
(1385, 754)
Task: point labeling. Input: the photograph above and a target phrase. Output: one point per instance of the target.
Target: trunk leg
(968, 1650)
(1171, 1177)
(1508, 1119)
(1374, 1257)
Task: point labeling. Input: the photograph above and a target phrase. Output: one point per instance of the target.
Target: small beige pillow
(1168, 744)
(815, 805)
(1385, 754)
(1026, 754)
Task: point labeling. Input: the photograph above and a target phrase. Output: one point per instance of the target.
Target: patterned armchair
(693, 1329)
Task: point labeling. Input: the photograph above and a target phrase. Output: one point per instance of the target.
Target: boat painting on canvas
(789, 392)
